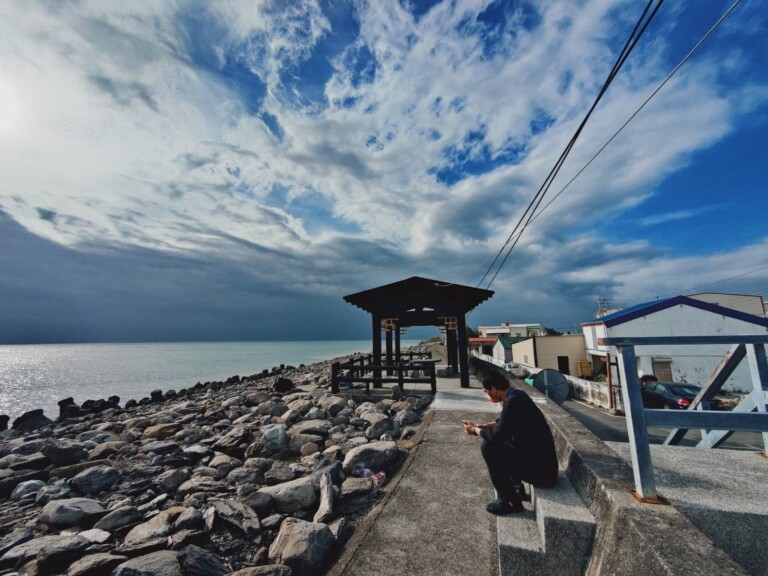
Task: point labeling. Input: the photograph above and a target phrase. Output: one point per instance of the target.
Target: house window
(525, 357)
(662, 369)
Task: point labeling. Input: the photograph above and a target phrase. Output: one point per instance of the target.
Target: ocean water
(38, 376)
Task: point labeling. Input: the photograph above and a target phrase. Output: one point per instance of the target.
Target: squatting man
(516, 447)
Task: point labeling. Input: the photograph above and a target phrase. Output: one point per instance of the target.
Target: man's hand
(469, 427)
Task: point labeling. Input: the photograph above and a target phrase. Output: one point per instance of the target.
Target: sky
(201, 171)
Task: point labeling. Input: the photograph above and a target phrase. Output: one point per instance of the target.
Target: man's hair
(496, 380)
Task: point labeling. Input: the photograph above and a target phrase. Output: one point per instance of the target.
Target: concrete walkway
(432, 520)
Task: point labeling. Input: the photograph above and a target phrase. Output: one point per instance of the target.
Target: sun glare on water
(9, 107)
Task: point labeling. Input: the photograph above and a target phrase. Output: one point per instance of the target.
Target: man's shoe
(501, 507)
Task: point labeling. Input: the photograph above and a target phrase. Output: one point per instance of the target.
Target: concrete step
(554, 538)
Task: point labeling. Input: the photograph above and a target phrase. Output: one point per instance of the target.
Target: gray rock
(378, 424)
(32, 420)
(256, 398)
(303, 546)
(95, 480)
(170, 480)
(59, 554)
(294, 496)
(200, 484)
(14, 539)
(342, 529)
(56, 490)
(70, 512)
(374, 456)
(157, 527)
(274, 438)
(297, 441)
(25, 551)
(162, 563)
(269, 570)
(232, 442)
(95, 535)
(8, 484)
(278, 474)
(119, 518)
(316, 427)
(247, 476)
(161, 447)
(233, 515)
(190, 519)
(64, 452)
(407, 417)
(106, 449)
(24, 488)
(95, 565)
(332, 404)
(260, 502)
(315, 413)
(198, 562)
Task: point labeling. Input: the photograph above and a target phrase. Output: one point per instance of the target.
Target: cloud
(334, 146)
(678, 215)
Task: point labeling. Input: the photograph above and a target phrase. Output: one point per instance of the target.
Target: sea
(38, 376)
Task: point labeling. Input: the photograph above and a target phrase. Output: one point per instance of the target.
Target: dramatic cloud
(224, 165)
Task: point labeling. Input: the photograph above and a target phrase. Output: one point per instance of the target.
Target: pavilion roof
(418, 301)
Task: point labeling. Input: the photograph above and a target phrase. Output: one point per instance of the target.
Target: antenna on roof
(602, 307)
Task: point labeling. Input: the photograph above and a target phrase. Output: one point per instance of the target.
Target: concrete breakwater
(265, 474)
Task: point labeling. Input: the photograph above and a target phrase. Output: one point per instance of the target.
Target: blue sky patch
(204, 35)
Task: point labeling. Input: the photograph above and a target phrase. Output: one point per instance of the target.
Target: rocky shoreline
(261, 475)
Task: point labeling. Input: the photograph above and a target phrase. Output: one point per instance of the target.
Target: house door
(662, 369)
(563, 365)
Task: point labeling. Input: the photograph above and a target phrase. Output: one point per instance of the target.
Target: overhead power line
(640, 27)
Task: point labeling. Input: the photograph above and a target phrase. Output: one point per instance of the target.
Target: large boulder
(375, 456)
(60, 553)
(123, 516)
(293, 496)
(99, 564)
(274, 437)
(157, 526)
(25, 551)
(70, 512)
(378, 424)
(64, 452)
(162, 563)
(31, 420)
(302, 546)
(96, 479)
(199, 562)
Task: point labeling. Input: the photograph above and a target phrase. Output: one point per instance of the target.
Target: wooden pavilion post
(376, 328)
(397, 342)
(389, 349)
(454, 360)
(463, 350)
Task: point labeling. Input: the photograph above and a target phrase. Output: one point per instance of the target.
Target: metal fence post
(642, 467)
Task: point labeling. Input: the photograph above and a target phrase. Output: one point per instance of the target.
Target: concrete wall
(523, 352)
(548, 348)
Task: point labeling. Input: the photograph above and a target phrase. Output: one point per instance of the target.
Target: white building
(508, 329)
(678, 316)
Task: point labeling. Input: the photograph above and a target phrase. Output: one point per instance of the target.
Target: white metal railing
(741, 418)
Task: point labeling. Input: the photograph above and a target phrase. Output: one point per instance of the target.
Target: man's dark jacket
(523, 429)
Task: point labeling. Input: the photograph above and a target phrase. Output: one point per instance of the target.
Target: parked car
(673, 395)
(516, 370)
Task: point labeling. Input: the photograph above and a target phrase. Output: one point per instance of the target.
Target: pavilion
(420, 301)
